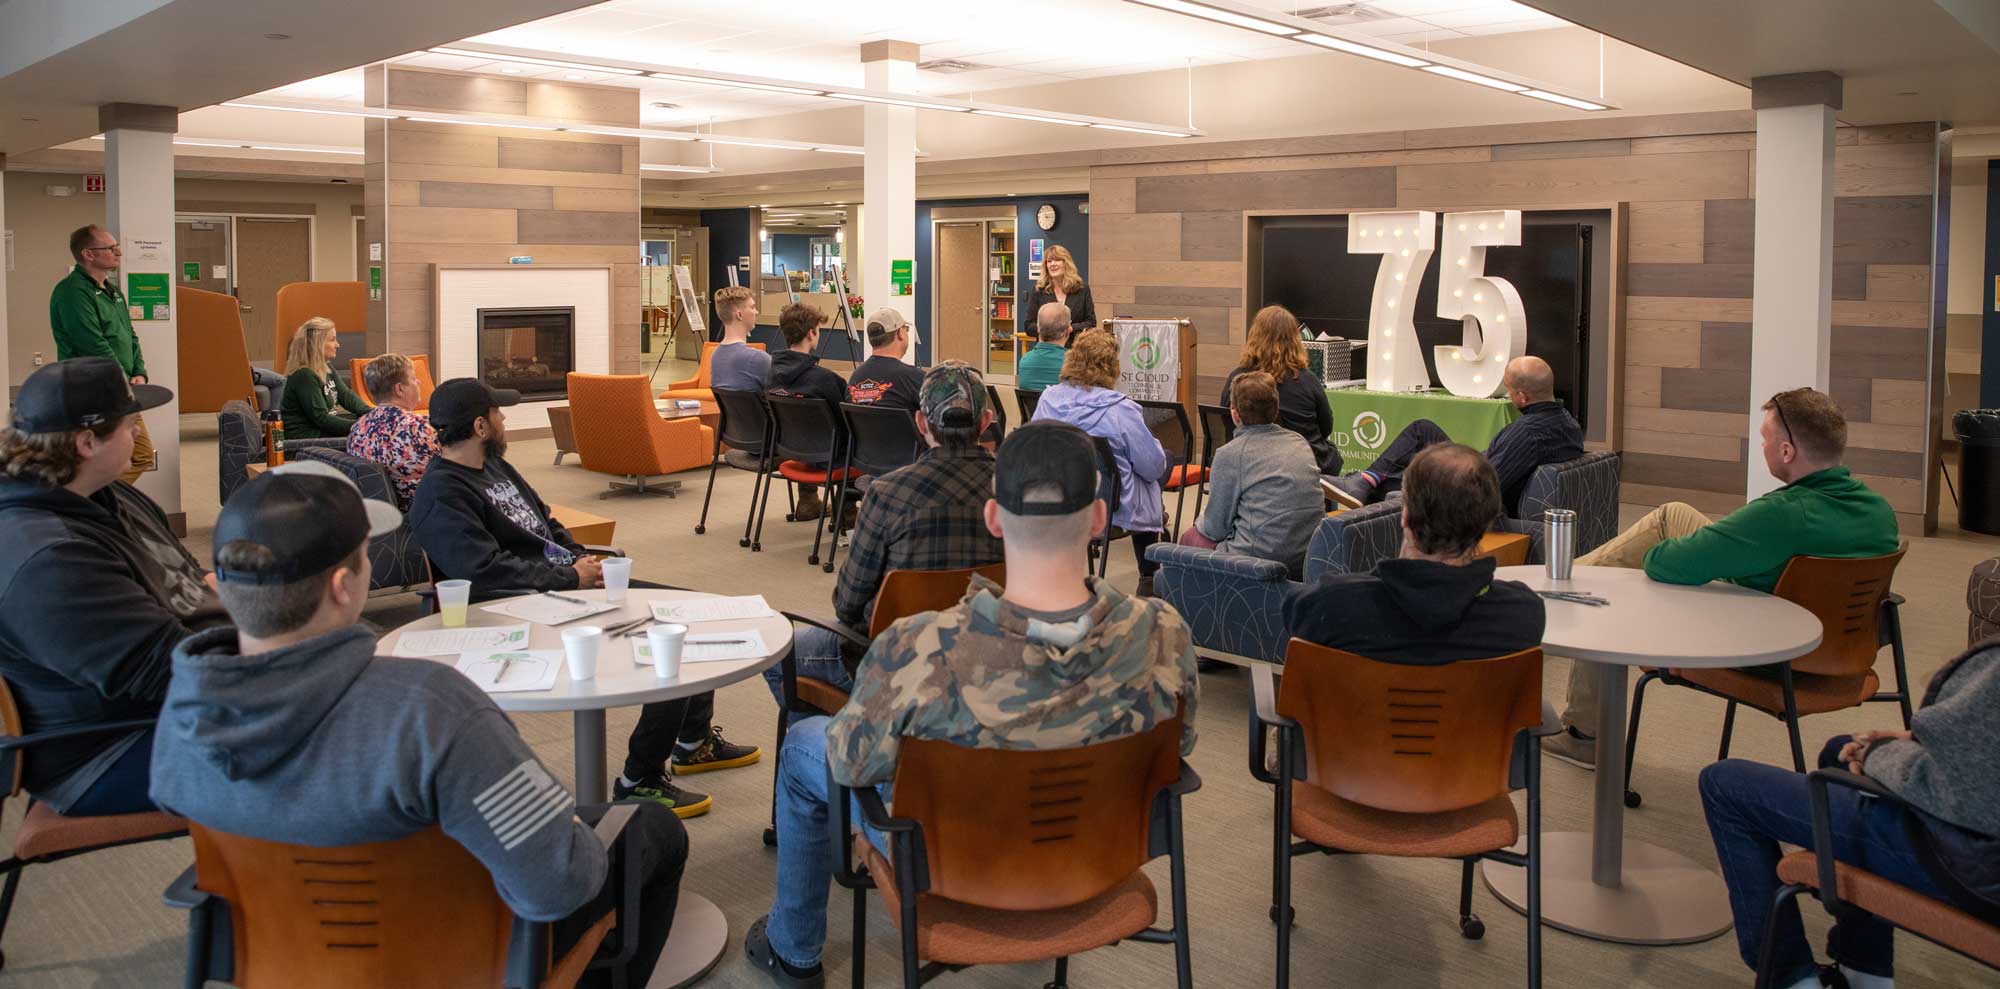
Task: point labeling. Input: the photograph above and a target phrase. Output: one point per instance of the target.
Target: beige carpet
(98, 920)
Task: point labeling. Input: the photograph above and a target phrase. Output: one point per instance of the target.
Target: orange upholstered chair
(618, 430)
(215, 364)
(697, 387)
(422, 364)
(346, 303)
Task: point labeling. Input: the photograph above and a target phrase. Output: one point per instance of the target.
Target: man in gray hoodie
(289, 728)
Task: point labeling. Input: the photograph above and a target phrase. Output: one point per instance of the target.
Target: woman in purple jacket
(1087, 397)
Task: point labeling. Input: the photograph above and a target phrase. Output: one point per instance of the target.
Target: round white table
(1599, 885)
(701, 932)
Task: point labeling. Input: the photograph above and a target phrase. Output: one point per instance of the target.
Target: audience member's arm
(1323, 409)
(1947, 745)
(1512, 458)
(116, 637)
(1752, 540)
(863, 740)
(861, 574)
(348, 398)
(1225, 486)
(557, 531)
(455, 538)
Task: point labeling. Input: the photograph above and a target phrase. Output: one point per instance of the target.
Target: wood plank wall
(1168, 237)
(456, 194)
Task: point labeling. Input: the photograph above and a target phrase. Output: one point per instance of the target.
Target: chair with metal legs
(1217, 427)
(806, 440)
(1168, 422)
(879, 440)
(744, 424)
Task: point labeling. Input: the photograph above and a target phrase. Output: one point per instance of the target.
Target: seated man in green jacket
(1821, 511)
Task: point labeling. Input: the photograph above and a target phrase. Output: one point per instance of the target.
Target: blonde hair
(308, 347)
(1273, 344)
(728, 299)
(1092, 360)
(1071, 281)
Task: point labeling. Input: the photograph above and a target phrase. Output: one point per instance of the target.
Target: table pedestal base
(1666, 898)
(700, 936)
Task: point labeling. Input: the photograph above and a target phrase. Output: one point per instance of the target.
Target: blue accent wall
(728, 240)
(1072, 231)
(794, 251)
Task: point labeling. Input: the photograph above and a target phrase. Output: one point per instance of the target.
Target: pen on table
(562, 597)
(502, 675)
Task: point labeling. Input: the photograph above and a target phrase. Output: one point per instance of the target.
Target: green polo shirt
(92, 320)
(1040, 367)
(1825, 513)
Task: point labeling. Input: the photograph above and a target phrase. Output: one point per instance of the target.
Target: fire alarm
(93, 183)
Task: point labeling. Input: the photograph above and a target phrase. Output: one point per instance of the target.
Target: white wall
(1965, 296)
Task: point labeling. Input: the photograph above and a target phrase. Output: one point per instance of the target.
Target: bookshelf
(1002, 301)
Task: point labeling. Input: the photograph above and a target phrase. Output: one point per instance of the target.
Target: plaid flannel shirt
(927, 516)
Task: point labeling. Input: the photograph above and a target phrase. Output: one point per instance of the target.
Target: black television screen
(1307, 269)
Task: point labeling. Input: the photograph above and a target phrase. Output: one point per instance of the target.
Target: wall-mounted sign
(375, 251)
(145, 250)
(902, 276)
(149, 294)
(374, 283)
(1496, 324)
(521, 259)
(93, 183)
(190, 271)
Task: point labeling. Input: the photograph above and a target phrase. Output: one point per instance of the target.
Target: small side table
(565, 435)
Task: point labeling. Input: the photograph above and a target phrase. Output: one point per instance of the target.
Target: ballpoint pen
(504, 664)
(563, 597)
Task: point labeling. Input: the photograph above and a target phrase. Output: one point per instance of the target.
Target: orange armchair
(619, 431)
(346, 303)
(697, 387)
(215, 363)
(423, 370)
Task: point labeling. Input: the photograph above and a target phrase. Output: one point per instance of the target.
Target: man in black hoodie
(796, 371)
(1435, 604)
(94, 588)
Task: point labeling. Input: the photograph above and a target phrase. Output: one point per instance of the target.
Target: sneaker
(1573, 747)
(664, 791)
(1349, 490)
(714, 752)
(757, 947)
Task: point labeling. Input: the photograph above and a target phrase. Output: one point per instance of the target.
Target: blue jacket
(1142, 462)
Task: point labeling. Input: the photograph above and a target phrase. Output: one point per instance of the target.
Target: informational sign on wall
(190, 271)
(1149, 358)
(902, 275)
(374, 283)
(150, 294)
(690, 302)
(1035, 248)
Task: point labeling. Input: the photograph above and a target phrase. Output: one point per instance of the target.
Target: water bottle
(274, 438)
(1559, 541)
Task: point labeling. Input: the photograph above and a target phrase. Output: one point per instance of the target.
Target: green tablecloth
(1365, 422)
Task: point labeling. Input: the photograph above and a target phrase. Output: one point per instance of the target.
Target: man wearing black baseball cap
(289, 728)
(94, 587)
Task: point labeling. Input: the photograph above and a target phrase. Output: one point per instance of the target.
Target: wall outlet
(38, 358)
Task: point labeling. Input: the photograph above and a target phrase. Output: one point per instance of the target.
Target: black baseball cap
(462, 400)
(80, 393)
(1050, 453)
(307, 513)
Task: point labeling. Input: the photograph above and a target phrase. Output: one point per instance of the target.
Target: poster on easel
(846, 308)
(690, 302)
(1149, 358)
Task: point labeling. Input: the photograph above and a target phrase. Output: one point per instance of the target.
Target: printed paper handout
(507, 670)
(712, 609)
(451, 641)
(709, 647)
(549, 609)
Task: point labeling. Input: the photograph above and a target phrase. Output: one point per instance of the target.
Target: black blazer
(1082, 313)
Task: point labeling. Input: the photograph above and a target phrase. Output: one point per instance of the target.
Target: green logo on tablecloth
(1144, 353)
(1369, 430)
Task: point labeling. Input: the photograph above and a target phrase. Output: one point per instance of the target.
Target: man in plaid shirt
(927, 516)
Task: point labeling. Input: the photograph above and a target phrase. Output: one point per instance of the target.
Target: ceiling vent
(1344, 13)
(950, 66)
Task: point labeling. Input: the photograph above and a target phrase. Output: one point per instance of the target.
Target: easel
(846, 315)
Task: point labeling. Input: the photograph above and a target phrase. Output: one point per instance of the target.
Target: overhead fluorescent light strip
(200, 143)
(1033, 118)
(1568, 101)
(842, 151)
(482, 123)
(700, 169)
(1476, 79)
(1142, 130)
(306, 150)
(736, 83)
(1221, 16)
(918, 104)
(527, 60)
(638, 132)
(746, 143)
(378, 114)
(1380, 55)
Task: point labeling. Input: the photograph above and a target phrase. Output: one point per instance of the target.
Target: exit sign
(93, 183)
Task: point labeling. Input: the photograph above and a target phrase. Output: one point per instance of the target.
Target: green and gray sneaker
(664, 791)
(714, 752)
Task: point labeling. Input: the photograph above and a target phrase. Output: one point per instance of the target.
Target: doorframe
(937, 274)
(187, 217)
(360, 241)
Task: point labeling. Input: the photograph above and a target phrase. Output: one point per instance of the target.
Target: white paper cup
(580, 647)
(452, 598)
(665, 641)
(617, 577)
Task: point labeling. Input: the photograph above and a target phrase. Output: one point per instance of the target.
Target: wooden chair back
(416, 911)
(1035, 830)
(1846, 596)
(1411, 739)
(909, 592)
(11, 726)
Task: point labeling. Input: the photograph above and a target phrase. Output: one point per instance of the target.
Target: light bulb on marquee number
(1495, 323)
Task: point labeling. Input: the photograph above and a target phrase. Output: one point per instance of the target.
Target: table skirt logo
(1144, 354)
(1369, 430)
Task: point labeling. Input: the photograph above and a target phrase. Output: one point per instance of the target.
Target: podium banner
(1149, 358)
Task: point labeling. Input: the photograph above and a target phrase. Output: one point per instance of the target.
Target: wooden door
(271, 253)
(960, 330)
(202, 241)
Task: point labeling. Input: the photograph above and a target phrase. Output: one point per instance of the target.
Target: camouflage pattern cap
(953, 395)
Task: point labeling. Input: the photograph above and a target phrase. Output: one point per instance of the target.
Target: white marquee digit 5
(1405, 239)
(1496, 326)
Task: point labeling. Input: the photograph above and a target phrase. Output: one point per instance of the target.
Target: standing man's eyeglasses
(106, 247)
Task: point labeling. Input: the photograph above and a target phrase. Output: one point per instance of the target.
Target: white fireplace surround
(462, 290)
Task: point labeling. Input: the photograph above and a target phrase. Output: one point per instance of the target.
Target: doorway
(271, 252)
(960, 321)
(201, 248)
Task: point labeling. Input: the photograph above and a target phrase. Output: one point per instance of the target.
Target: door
(272, 252)
(202, 241)
(960, 326)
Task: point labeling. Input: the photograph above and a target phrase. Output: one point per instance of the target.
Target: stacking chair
(1028, 399)
(1110, 488)
(879, 440)
(999, 412)
(46, 836)
(806, 431)
(1217, 428)
(1858, 615)
(744, 423)
(1168, 422)
(1008, 856)
(1965, 922)
(1412, 761)
(415, 911)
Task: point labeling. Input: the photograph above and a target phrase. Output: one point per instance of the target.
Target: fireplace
(531, 350)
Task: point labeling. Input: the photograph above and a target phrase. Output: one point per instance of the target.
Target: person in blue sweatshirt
(288, 727)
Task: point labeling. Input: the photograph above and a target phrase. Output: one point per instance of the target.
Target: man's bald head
(1533, 378)
(1052, 322)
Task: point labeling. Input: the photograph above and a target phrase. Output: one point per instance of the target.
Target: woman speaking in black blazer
(1060, 283)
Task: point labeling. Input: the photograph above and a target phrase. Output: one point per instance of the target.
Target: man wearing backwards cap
(885, 378)
(289, 728)
(1057, 660)
(94, 588)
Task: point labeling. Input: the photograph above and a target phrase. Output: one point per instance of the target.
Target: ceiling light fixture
(638, 132)
(701, 169)
(306, 149)
(746, 143)
(1365, 51)
(1031, 117)
(736, 83)
(328, 111)
(1142, 130)
(896, 101)
(198, 143)
(482, 123)
(1221, 16)
(843, 151)
(531, 60)
(1476, 79)
(1568, 101)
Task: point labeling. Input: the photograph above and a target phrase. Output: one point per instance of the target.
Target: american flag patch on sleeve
(521, 803)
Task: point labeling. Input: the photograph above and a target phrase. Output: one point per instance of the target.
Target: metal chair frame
(761, 441)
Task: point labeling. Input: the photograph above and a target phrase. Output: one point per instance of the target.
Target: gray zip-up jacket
(1263, 496)
(1948, 769)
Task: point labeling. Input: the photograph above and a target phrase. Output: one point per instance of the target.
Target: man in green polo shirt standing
(90, 318)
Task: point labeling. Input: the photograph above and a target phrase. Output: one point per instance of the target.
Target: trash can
(1978, 469)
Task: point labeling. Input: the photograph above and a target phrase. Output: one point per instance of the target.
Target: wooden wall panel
(1209, 236)
(1328, 188)
(1708, 175)
(1665, 233)
(1135, 237)
(561, 156)
(486, 195)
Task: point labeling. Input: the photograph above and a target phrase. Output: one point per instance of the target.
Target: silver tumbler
(1559, 541)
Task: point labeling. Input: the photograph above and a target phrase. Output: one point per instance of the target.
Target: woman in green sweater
(313, 393)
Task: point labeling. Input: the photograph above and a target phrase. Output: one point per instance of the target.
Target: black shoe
(810, 507)
(664, 791)
(1348, 490)
(714, 752)
(757, 946)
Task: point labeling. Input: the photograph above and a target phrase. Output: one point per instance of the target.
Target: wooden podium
(1184, 387)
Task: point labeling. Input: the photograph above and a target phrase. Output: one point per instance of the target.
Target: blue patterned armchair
(1587, 486)
(239, 442)
(395, 561)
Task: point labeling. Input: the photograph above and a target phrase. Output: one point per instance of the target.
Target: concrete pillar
(1791, 323)
(6, 372)
(139, 209)
(889, 182)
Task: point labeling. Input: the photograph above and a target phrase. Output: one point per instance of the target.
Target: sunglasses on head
(1778, 407)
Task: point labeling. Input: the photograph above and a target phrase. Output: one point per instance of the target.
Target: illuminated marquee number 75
(1496, 325)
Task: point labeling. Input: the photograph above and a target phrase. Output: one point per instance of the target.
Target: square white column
(139, 211)
(889, 182)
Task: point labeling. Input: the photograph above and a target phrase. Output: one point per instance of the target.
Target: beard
(495, 447)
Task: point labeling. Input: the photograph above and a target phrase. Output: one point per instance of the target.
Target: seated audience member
(1056, 660)
(1821, 511)
(1435, 603)
(1544, 434)
(930, 515)
(796, 371)
(478, 520)
(289, 728)
(885, 378)
(315, 396)
(736, 364)
(1273, 347)
(94, 588)
(1943, 767)
(1263, 488)
(1041, 366)
(1088, 398)
(392, 433)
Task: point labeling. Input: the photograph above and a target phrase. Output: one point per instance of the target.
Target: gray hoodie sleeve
(498, 801)
(1225, 484)
(1947, 769)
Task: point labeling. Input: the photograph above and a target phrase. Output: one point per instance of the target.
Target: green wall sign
(374, 283)
(190, 271)
(902, 275)
(150, 294)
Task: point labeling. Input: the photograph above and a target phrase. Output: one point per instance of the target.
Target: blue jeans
(807, 845)
(1751, 807)
(122, 789)
(816, 652)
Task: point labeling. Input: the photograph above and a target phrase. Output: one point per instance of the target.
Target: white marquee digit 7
(1406, 240)
(1496, 326)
